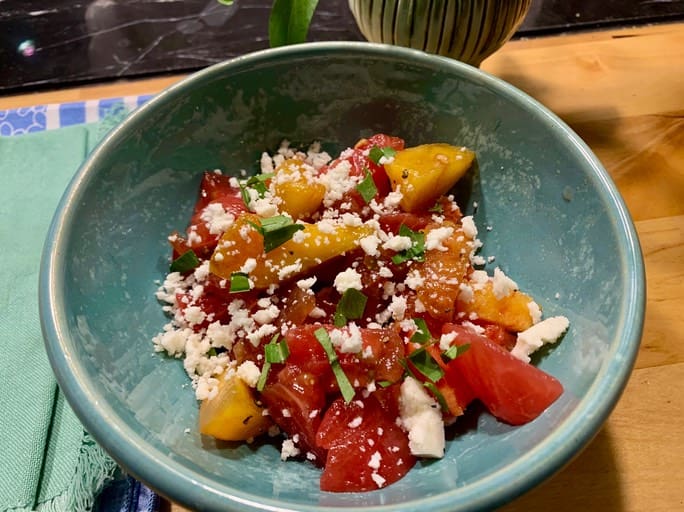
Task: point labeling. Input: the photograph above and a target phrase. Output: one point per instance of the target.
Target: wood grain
(622, 91)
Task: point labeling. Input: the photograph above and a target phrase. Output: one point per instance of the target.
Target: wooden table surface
(622, 91)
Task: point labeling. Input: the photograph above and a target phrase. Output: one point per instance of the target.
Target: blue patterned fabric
(54, 116)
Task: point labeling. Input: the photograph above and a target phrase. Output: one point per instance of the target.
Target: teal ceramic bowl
(558, 226)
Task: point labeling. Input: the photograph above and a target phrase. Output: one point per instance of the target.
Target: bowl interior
(545, 209)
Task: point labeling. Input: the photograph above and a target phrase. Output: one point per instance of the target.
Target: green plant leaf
(289, 21)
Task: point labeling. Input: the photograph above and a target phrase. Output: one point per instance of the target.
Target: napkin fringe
(93, 470)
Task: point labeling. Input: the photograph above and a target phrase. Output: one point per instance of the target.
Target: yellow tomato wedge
(315, 244)
(233, 414)
(423, 173)
(295, 185)
(511, 311)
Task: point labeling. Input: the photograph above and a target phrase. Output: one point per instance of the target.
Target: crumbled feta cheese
(469, 227)
(249, 373)
(546, 331)
(217, 218)
(398, 243)
(347, 279)
(446, 340)
(502, 285)
(420, 415)
(435, 237)
(288, 449)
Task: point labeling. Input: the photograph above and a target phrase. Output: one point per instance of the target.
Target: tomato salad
(341, 307)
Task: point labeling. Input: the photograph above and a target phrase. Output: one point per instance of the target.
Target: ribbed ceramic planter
(467, 30)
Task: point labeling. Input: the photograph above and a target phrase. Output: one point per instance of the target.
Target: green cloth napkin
(47, 460)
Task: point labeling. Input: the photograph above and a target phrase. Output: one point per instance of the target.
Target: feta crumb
(249, 373)
(347, 279)
(288, 450)
(446, 339)
(546, 331)
(503, 285)
(435, 237)
(421, 417)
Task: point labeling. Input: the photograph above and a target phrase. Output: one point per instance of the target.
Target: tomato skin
(515, 392)
(214, 188)
(296, 403)
(383, 348)
(363, 441)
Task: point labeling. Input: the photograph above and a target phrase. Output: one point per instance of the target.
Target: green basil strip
(425, 364)
(289, 21)
(422, 334)
(185, 262)
(438, 395)
(376, 153)
(258, 183)
(239, 282)
(351, 307)
(274, 352)
(455, 350)
(346, 388)
(276, 230)
(417, 249)
(367, 187)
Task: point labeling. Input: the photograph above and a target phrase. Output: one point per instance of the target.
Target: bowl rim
(190, 488)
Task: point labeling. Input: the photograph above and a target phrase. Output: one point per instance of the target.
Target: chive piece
(417, 249)
(384, 383)
(425, 364)
(225, 2)
(239, 282)
(422, 334)
(212, 352)
(258, 183)
(367, 187)
(185, 262)
(346, 388)
(274, 352)
(276, 230)
(351, 307)
(437, 208)
(438, 395)
(455, 350)
(376, 153)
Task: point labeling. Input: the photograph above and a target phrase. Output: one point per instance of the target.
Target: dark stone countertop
(64, 42)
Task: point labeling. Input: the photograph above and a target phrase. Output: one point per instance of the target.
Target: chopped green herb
(376, 153)
(239, 282)
(276, 230)
(416, 251)
(274, 352)
(438, 395)
(351, 307)
(384, 383)
(437, 208)
(455, 350)
(425, 364)
(258, 183)
(346, 388)
(212, 352)
(422, 334)
(225, 2)
(367, 187)
(185, 262)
